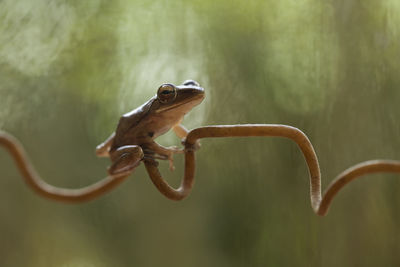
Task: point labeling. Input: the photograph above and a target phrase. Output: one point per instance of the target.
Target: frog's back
(125, 133)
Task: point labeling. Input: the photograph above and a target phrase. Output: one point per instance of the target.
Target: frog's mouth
(190, 103)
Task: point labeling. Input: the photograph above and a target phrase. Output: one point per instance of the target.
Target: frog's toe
(171, 164)
(189, 147)
(176, 150)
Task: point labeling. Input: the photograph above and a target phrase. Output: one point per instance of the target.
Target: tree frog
(133, 140)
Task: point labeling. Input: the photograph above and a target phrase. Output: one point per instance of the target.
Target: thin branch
(44, 189)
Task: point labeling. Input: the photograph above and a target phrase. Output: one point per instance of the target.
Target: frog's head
(179, 99)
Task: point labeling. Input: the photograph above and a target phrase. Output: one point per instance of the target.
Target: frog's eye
(166, 93)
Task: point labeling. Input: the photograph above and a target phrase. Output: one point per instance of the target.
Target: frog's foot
(196, 146)
(163, 153)
(156, 151)
(170, 155)
(102, 151)
(125, 160)
(150, 158)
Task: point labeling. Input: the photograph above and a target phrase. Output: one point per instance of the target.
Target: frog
(133, 140)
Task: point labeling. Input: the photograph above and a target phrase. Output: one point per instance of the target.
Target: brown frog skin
(134, 137)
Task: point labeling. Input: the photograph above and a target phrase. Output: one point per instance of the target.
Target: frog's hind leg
(125, 159)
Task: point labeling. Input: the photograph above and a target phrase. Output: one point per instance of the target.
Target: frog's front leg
(182, 132)
(157, 151)
(125, 159)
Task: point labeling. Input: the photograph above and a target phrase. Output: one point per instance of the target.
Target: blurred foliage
(70, 68)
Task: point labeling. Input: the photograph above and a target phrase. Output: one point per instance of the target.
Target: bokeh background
(69, 69)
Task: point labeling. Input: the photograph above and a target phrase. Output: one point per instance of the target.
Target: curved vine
(319, 202)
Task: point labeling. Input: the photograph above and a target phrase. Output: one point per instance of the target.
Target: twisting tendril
(33, 179)
(320, 203)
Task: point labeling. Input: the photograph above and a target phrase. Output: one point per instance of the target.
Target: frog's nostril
(191, 82)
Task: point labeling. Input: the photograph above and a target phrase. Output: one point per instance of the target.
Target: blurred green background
(69, 69)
